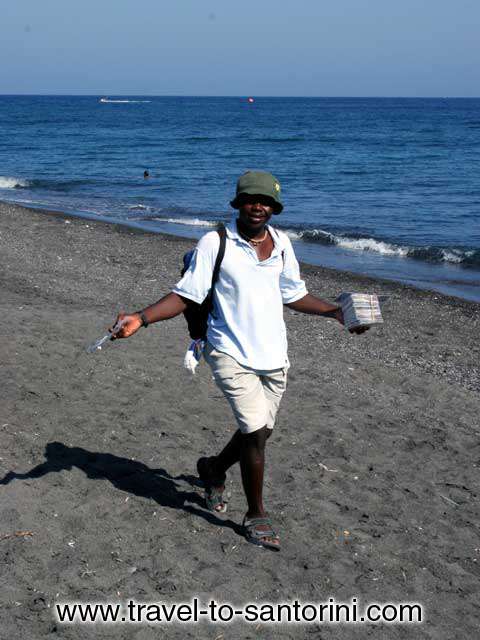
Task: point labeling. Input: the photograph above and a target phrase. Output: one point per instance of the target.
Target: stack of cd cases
(360, 309)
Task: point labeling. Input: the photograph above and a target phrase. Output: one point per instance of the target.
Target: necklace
(255, 243)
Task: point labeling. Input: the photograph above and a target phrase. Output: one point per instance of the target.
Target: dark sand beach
(372, 473)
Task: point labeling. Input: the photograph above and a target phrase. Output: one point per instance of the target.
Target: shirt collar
(232, 232)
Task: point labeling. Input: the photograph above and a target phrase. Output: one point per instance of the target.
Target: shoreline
(372, 469)
(143, 228)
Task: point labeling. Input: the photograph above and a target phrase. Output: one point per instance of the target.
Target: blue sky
(262, 47)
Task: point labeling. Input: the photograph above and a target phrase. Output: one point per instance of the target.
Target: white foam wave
(142, 207)
(351, 244)
(427, 253)
(294, 235)
(369, 244)
(12, 183)
(312, 234)
(454, 256)
(190, 222)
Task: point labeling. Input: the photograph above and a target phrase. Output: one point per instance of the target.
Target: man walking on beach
(246, 339)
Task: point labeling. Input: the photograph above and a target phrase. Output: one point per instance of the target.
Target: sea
(380, 186)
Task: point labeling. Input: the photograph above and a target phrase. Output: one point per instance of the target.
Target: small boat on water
(105, 99)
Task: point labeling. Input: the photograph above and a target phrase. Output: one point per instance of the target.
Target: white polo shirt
(247, 321)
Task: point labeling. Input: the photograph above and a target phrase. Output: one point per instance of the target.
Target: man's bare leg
(249, 450)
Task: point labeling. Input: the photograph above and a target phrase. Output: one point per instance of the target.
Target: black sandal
(254, 535)
(214, 488)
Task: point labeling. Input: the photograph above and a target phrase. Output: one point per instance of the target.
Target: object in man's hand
(360, 309)
(105, 340)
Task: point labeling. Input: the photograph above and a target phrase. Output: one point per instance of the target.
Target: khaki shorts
(253, 394)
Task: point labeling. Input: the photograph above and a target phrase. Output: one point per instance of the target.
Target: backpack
(196, 314)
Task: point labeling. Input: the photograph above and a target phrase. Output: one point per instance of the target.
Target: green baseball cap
(258, 183)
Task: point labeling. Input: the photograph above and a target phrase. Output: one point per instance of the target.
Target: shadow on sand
(127, 475)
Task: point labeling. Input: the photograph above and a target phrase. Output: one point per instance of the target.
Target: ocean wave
(59, 185)
(375, 246)
(142, 207)
(13, 183)
(7, 182)
(451, 255)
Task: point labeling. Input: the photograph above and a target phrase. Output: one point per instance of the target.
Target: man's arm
(192, 287)
(169, 306)
(318, 307)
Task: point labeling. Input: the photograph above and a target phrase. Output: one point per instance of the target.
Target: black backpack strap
(216, 269)
(221, 252)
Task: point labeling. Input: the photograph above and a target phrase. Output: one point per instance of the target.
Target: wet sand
(372, 474)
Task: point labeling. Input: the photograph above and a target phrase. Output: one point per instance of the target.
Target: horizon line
(240, 96)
